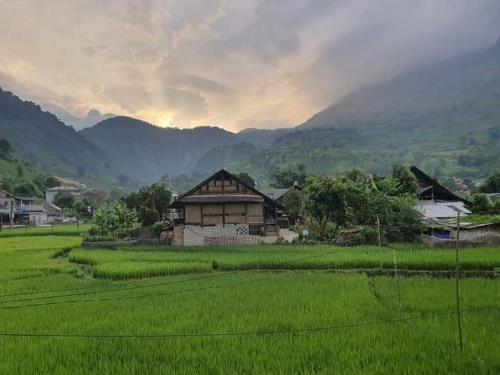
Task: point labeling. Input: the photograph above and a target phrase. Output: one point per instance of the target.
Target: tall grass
(286, 301)
(56, 230)
(235, 302)
(278, 257)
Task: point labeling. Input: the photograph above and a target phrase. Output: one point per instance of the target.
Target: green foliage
(245, 177)
(150, 203)
(81, 210)
(158, 228)
(64, 200)
(480, 203)
(39, 138)
(26, 188)
(491, 184)
(116, 220)
(285, 177)
(293, 203)
(405, 179)
(356, 199)
(324, 201)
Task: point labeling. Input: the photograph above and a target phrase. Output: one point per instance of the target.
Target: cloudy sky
(231, 63)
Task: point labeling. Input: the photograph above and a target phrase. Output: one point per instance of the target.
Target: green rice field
(259, 310)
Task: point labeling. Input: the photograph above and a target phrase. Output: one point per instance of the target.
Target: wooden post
(378, 230)
(396, 281)
(457, 286)
(11, 214)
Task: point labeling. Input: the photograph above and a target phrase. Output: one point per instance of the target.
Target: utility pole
(11, 214)
(396, 280)
(457, 285)
(378, 230)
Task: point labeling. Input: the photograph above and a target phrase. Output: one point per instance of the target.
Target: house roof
(441, 210)
(428, 184)
(65, 188)
(277, 193)
(222, 198)
(5, 194)
(181, 199)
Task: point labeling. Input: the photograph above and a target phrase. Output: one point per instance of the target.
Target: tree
(406, 180)
(293, 203)
(116, 219)
(491, 184)
(324, 201)
(246, 178)
(480, 203)
(150, 202)
(96, 197)
(285, 177)
(19, 170)
(81, 210)
(64, 200)
(26, 188)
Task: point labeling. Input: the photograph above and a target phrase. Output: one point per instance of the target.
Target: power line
(245, 333)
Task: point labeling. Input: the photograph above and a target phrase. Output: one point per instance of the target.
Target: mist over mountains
(444, 118)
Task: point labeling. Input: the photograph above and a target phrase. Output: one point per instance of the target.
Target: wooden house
(430, 189)
(224, 209)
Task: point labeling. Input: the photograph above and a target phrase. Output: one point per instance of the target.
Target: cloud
(226, 63)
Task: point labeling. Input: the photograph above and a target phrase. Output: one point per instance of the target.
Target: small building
(31, 210)
(444, 234)
(7, 207)
(224, 210)
(280, 197)
(436, 202)
(75, 190)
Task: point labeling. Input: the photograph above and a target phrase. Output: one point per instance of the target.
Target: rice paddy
(68, 310)
(146, 262)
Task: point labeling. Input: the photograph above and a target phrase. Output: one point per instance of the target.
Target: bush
(97, 238)
(366, 236)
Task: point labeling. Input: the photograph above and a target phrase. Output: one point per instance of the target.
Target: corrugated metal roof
(441, 210)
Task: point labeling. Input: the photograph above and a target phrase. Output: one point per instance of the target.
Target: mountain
(445, 118)
(146, 152)
(93, 116)
(41, 139)
(260, 137)
(464, 90)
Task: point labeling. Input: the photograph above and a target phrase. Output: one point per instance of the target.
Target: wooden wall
(220, 214)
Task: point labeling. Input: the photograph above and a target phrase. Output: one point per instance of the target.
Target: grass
(28, 257)
(483, 219)
(56, 230)
(138, 263)
(60, 303)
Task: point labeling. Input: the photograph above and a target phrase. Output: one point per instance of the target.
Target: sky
(229, 63)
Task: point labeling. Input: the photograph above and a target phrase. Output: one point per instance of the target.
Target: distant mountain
(41, 139)
(445, 117)
(93, 116)
(146, 152)
(260, 137)
(461, 93)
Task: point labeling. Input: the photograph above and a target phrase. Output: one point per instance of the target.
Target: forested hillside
(444, 118)
(147, 153)
(39, 138)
